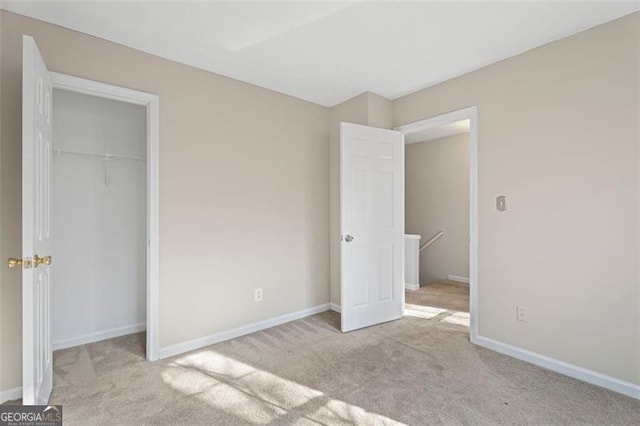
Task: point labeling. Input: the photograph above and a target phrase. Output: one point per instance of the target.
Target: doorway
(372, 220)
(39, 260)
(441, 218)
(109, 135)
(99, 220)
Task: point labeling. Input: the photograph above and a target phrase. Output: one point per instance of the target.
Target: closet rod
(96, 156)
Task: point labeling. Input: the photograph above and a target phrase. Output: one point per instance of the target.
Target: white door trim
(470, 113)
(151, 102)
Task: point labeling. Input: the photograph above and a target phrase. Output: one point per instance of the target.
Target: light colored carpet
(414, 371)
(445, 294)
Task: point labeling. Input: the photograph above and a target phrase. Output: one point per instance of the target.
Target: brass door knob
(13, 262)
(37, 261)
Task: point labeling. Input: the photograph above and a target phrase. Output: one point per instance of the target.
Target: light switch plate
(522, 313)
(501, 203)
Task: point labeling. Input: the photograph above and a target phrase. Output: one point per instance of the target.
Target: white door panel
(36, 225)
(372, 221)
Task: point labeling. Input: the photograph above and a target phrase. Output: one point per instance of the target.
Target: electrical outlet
(258, 295)
(522, 313)
(501, 203)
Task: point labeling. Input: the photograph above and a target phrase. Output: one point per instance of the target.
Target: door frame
(470, 113)
(152, 104)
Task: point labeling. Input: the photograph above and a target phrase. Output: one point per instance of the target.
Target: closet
(99, 218)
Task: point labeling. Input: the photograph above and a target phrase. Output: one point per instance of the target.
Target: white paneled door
(37, 142)
(372, 222)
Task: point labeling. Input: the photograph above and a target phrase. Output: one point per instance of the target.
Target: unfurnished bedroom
(363, 213)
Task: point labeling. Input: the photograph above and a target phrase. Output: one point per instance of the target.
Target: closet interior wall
(99, 215)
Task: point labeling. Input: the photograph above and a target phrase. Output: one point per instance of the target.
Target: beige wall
(380, 111)
(437, 198)
(244, 194)
(369, 109)
(558, 134)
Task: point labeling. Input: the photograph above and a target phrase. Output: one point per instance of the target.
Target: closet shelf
(96, 156)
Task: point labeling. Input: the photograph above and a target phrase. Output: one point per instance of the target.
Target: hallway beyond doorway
(444, 300)
(445, 294)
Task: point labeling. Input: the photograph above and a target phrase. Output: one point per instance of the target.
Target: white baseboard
(411, 287)
(98, 336)
(239, 331)
(10, 394)
(458, 278)
(336, 308)
(589, 376)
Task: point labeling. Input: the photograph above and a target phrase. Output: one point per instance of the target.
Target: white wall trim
(583, 374)
(10, 394)
(470, 113)
(411, 287)
(101, 90)
(439, 120)
(458, 278)
(336, 308)
(239, 331)
(152, 104)
(98, 336)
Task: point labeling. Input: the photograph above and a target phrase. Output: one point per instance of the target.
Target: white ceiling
(451, 129)
(327, 52)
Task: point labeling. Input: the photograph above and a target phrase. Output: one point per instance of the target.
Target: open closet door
(372, 222)
(37, 374)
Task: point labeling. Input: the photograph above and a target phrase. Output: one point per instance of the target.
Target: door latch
(13, 262)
